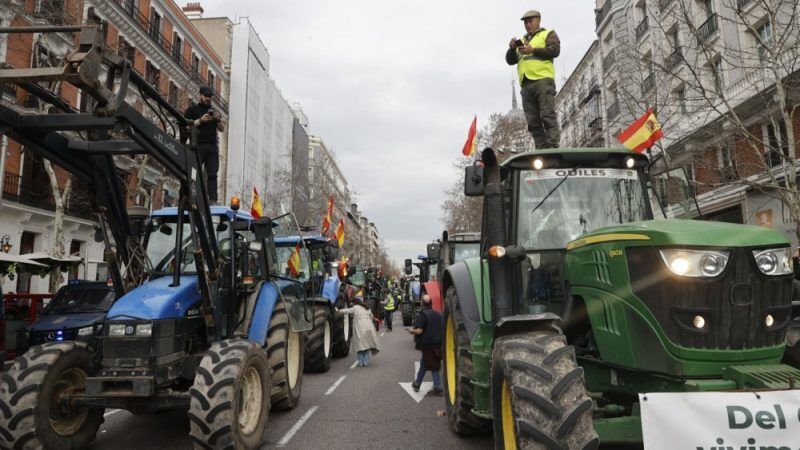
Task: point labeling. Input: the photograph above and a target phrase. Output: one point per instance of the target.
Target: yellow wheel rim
(450, 359)
(509, 434)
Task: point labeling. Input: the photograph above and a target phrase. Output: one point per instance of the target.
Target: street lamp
(5, 243)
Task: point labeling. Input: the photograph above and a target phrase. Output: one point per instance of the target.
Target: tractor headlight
(86, 331)
(776, 261)
(116, 329)
(695, 263)
(144, 329)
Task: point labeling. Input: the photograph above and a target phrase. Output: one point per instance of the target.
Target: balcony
(612, 111)
(609, 60)
(674, 59)
(38, 194)
(649, 83)
(663, 4)
(642, 28)
(709, 28)
(743, 3)
(600, 14)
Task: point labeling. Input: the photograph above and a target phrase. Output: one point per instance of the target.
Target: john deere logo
(129, 330)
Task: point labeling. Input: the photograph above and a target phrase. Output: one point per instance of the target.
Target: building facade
(579, 103)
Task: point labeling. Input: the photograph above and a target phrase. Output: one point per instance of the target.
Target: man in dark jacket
(208, 122)
(428, 338)
(534, 55)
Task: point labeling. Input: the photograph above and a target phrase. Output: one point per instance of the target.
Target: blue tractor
(203, 317)
(332, 330)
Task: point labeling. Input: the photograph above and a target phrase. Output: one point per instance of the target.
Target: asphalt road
(347, 407)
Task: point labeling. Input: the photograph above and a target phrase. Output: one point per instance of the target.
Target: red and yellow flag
(328, 219)
(294, 261)
(339, 233)
(469, 146)
(256, 209)
(343, 267)
(645, 132)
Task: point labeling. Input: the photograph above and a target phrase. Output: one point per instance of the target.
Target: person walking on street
(208, 122)
(388, 309)
(534, 55)
(365, 339)
(427, 333)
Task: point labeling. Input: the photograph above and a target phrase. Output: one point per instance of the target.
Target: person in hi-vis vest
(533, 55)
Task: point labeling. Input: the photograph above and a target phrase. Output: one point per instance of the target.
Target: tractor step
(764, 376)
(482, 413)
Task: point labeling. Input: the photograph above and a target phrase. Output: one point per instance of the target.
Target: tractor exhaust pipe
(494, 224)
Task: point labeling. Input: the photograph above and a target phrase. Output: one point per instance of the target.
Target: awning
(17, 259)
(46, 258)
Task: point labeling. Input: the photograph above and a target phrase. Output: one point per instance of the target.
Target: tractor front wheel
(539, 399)
(229, 405)
(285, 354)
(407, 311)
(318, 341)
(32, 396)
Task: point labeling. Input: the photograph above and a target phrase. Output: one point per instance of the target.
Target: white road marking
(113, 411)
(296, 427)
(354, 365)
(423, 390)
(335, 385)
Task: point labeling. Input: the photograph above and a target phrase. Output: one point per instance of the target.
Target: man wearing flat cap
(534, 55)
(208, 122)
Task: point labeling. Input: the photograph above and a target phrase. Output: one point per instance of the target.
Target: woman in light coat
(365, 339)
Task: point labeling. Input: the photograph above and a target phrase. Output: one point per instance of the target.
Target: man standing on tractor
(533, 55)
(428, 338)
(208, 122)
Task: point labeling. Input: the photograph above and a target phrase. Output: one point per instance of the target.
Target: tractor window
(543, 282)
(284, 253)
(558, 205)
(466, 251)
(161, 243)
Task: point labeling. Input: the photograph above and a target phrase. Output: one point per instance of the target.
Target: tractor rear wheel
(458, 371)
(318, 341)
(407, 311)
(285, 350)
(342, 335)
(792, 354)
(538, 396)
(30, 398)
(229, 405)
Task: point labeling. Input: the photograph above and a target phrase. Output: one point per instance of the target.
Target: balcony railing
(612, 111)
(708, 28)
(601, 13)
(596, 125)
(642, 28)
(649, 83)
(663, 4)
(609, 60)
(674, 59)
(31, 192)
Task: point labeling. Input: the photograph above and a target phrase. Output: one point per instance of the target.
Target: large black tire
(539, 399)
(407, 311)
(318, 341)
(458, 372)
(342, 335)
(792, 354)
(229, 405)
(285, 351)
(31, 416)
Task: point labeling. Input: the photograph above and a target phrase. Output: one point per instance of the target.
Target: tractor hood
(157, 300)
(669, 232)
(67, 321)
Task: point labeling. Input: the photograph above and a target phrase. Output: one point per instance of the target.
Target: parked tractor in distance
(448, 251)
(580, 301)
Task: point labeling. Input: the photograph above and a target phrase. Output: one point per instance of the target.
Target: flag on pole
(256, 209)
(294, 261)
(339, 233)
(469, 146)
(328, 219)
(645, 132)
(343, 267)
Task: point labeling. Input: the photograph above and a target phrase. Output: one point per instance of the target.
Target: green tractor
(580, 301)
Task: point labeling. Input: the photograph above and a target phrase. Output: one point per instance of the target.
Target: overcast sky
(392, 87)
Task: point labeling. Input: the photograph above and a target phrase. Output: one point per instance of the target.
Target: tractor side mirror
(407, 268)
(433, 251)
(473, 181)
(165, 229)
(222, 226)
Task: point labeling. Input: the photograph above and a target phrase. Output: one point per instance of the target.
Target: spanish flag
(343, 267)
(294, 261)
(469, 146)
(339, 233)
(645, 132)
(328, 219)
(256, 210)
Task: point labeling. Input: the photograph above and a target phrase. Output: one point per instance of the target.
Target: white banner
(721, 420)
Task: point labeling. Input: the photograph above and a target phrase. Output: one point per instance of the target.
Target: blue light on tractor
(59, 335)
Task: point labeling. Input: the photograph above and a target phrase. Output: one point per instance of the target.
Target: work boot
(415, 386)
(436, 391)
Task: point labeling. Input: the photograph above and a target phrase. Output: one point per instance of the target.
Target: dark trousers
(539, 104)
(209, 158)
(388, 319)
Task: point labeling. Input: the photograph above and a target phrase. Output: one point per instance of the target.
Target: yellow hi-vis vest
(535, 67)
(389, 303)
